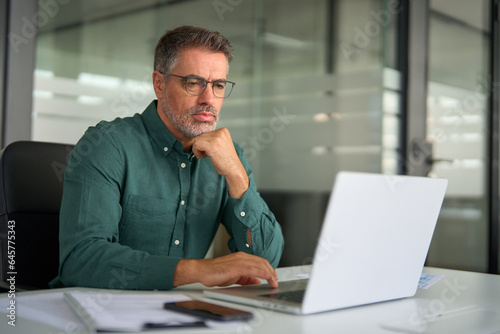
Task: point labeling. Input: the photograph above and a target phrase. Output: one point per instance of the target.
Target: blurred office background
(384, 86)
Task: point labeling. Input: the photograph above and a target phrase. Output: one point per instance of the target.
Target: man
(144, 195)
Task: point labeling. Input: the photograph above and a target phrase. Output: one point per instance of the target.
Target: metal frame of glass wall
(494, 136)
(18, 27)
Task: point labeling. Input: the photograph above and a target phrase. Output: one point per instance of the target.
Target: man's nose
(207, 97)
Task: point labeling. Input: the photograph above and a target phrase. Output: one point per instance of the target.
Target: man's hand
(237, 268)
(219, 146)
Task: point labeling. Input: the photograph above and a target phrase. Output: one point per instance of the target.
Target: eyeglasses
(196, 86)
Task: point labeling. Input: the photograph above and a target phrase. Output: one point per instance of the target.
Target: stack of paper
(109, 310)
(126, 312)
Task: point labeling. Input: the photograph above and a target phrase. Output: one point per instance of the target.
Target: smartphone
(208, 310)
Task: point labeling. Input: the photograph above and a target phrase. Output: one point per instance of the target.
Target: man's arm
(247, 218)
(219, 146)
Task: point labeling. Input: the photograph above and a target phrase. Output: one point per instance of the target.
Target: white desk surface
(460, 302)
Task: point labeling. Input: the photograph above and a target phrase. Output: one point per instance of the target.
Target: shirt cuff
(248, 209)
(247, 213)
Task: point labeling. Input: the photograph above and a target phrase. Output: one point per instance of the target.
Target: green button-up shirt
(134, 204)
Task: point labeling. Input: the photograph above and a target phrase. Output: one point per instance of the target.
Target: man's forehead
(201, 61)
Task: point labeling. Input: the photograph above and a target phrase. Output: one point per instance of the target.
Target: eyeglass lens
(197, 86)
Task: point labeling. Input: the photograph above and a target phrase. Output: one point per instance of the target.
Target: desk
(461, 302)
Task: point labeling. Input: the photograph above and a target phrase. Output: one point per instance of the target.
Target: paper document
(126, 312)
(428, 280)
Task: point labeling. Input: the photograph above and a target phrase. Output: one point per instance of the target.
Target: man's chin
(192, 133)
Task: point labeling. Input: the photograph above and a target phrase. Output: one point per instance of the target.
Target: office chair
(31, 184)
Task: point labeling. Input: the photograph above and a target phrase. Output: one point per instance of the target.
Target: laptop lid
(372, 246)
(374, 240)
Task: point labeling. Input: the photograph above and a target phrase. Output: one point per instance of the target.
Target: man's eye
(220, 85)
(193, 83)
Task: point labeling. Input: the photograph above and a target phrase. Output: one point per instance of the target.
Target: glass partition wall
(457, 125)
(318, 90)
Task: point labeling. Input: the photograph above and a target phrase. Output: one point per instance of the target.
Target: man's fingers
(248, 280)
(199, 154)
(254, 268)
(199, 148)
(264, 270)
(273, 283)
(274, 275)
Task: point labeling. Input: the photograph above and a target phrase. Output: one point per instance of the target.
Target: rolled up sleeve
(251, 212)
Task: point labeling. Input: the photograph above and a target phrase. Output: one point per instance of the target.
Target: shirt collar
(159, 132)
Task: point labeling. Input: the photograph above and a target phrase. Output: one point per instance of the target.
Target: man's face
(187, 115)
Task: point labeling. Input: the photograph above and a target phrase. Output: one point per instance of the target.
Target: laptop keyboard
(295, 296)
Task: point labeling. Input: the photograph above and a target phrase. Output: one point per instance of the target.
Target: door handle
(431, 160)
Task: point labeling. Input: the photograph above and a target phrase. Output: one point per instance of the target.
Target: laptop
(372, 247)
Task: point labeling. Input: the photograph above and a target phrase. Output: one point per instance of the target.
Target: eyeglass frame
(205, 84)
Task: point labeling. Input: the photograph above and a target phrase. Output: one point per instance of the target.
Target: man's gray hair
(184, 37)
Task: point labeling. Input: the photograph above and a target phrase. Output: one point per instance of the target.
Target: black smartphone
(208, 310)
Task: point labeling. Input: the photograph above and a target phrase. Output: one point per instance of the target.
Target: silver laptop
(372, 247)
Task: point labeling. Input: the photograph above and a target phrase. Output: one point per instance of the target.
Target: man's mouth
(204, 116)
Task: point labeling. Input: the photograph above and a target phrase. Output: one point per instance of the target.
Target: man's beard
(187, 124)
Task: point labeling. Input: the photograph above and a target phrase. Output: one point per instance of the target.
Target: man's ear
(158, 83)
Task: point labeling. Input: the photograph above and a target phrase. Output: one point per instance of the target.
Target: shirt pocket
(147, 224)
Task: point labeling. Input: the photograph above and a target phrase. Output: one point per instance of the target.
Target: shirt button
(177, 242)
(183, 165)
(183, 202)
(248, 246)
(165, 149)
(242, 213)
